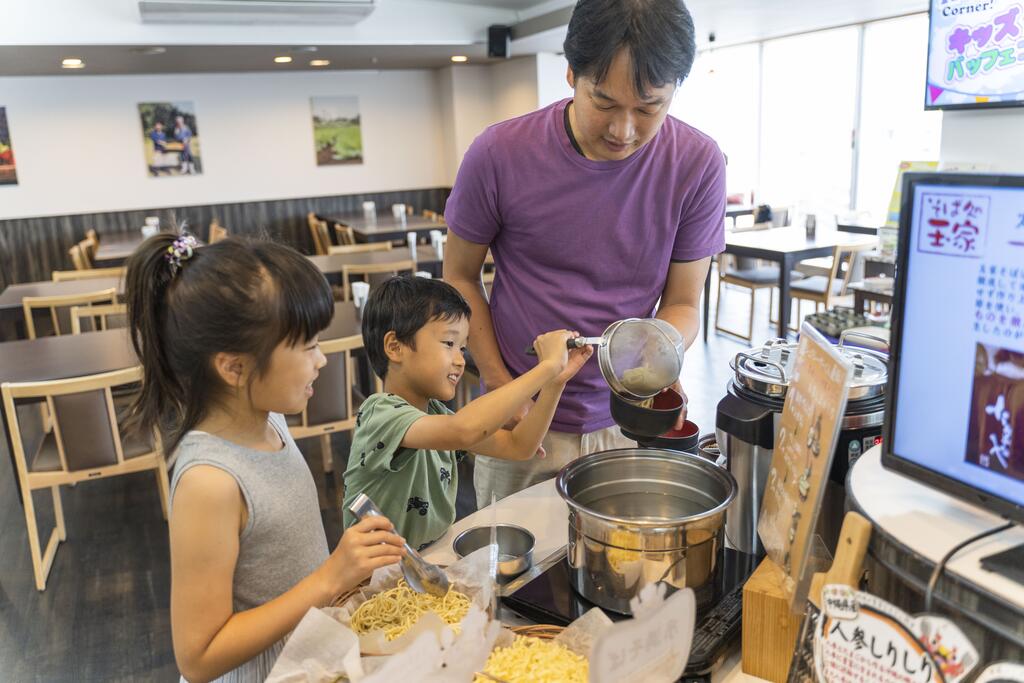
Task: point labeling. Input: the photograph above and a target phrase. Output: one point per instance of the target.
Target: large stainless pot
(638, 516)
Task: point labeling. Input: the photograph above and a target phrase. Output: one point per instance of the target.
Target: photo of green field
(337, 135)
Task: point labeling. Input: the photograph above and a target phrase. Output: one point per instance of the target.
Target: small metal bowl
(515, 547)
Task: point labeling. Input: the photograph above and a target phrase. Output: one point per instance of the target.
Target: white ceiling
(402, 34)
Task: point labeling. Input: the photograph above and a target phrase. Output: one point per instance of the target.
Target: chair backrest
(346, 235)
(91, 274)
(89, 246)
(390, 268)
(98, 318)
(217, 232)
(843, 254)
(59, 307)
(84, 420)
(332, 390)
(78, 258)
(93, 236)
(361, 248)
(319, 246)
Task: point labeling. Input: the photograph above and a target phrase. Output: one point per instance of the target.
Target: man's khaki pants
(505, 477)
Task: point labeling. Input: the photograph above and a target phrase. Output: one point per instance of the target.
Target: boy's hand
(552, 348)
(577, 359)
(365, 546)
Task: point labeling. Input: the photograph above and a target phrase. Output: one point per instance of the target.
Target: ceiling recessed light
(460, 58)
(72, 63)
(284, 59)
(320, 62)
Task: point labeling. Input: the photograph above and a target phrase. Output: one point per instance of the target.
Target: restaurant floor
(104, 614)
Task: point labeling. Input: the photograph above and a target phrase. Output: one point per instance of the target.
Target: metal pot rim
(724, 476)
(529, 534)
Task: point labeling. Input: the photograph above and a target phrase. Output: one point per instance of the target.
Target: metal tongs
(421, 576)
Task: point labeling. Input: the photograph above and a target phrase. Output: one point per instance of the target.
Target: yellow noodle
(394, 611)
(533, 660)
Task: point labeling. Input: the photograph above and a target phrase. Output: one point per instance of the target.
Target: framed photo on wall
(170, 135)
(337, 131)
(8, 171)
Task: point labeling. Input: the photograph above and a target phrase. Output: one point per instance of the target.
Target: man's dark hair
(658, 34)
(405, 304)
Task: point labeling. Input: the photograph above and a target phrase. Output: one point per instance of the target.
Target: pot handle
(576, 343)
(763, 361)
(862, 335)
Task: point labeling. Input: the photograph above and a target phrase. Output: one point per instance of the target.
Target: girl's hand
(367, 545)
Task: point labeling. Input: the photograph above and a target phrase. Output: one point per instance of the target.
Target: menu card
(804, 447)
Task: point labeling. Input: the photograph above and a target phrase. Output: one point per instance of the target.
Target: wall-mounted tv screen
(975, 54)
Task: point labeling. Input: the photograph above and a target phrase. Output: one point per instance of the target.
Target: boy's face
(434, 368)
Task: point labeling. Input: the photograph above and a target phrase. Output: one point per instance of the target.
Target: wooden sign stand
(770, 628)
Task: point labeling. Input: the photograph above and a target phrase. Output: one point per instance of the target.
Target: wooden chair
(361, 248)
(91, 274)
(822, 289)
(320, 245)
(367, 270)
(91, 243)
(346, 235)
(335, 398)
(79, 258)
(98, 318)
(85, 441)
(58, 307)
(751, 274)
(217, 232)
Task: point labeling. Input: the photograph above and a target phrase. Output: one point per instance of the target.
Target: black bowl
(647, 422)
(684, 439)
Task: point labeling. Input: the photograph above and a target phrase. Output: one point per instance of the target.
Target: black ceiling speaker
(499, 41)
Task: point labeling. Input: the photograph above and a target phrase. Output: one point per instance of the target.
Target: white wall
(514, 87)
(991, 139)
(78, 140)
(552, 85)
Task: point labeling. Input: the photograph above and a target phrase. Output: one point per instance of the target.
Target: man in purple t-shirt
(596, 208)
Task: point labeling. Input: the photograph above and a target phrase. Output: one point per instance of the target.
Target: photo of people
(8, 173)
(171, 138)
(995, 438)
(336, 131)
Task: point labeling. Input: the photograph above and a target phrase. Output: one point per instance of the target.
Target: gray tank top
(283, 540)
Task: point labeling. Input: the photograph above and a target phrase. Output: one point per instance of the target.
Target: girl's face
(287, 384)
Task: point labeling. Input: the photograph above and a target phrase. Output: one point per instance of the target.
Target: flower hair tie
(181, 250)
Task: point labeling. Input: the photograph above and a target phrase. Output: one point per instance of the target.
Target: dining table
(427, 259)
(12, 318)
(118, 246)
(386, 228)
(54, 358)
(785, 246)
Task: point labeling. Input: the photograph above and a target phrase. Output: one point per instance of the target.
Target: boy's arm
(525, 439)
(480, 419)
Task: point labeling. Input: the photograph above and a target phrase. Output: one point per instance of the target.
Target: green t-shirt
(415, 489)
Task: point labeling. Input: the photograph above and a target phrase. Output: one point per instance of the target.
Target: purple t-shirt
(579, 244)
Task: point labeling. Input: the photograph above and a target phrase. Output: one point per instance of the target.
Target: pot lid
(767, 369)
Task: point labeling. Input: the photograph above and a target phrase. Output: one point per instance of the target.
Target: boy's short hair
(405, 304)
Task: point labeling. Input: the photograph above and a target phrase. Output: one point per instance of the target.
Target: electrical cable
(941, 566)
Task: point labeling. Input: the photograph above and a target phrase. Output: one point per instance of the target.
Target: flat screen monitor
(955, 413)
(975, 54)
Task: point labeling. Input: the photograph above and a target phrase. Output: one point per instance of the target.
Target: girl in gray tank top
(228, 341)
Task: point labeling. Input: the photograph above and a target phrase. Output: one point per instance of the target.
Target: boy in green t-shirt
(406, 442)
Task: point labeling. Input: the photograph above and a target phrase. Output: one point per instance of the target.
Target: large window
(786, 113)
(720, 98)
(807, 114)
(894, 126)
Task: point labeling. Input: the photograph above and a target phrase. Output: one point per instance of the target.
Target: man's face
(610, 119)
(158, 126)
